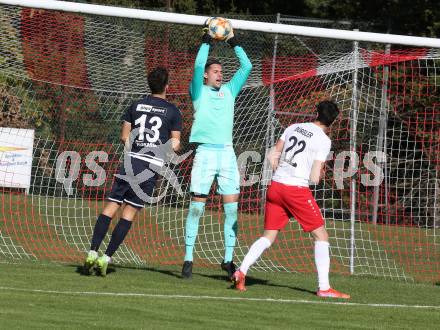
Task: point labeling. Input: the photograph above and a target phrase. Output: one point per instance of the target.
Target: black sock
(101, 227)
(118, 236)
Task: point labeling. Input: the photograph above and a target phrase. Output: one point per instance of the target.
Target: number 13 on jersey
(152, 133)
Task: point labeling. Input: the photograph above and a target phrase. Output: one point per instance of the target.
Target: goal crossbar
(238, 24)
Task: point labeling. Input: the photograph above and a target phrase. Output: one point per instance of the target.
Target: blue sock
(101, 227)
(118, 236)
(192, 227)
(230, 229)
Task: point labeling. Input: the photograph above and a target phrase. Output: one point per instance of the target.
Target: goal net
(66, 78)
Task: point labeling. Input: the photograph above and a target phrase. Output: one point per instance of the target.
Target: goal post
(69, 70)
(238, 24)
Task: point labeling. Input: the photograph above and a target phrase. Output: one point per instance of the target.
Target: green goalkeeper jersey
(214, 108)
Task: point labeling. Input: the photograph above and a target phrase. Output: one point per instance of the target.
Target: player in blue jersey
(149, 126)
(213, 104)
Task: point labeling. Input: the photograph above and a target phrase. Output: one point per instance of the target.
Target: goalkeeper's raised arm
(240, 77)
(201, 65)
(214, 101)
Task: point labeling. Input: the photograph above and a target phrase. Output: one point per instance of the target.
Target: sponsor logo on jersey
(150, 109)
(220, 94)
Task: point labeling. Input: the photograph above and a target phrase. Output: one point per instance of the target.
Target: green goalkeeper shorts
(215, 161)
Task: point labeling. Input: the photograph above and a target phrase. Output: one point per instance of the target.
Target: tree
(392, 16)
(185, 6)
(412, 17)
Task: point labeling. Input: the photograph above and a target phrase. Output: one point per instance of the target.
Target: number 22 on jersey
(296, 147)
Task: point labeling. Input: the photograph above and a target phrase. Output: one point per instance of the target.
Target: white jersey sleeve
(303, 144)
(323, 151)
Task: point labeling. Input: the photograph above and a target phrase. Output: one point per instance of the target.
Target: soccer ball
(219, 28)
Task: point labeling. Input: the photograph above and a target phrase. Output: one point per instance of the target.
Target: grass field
(59, 229)
(48, 296)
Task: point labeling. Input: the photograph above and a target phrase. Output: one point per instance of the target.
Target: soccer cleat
(102, 264)
(239, 279)
(229, 267)
(332, 293)
(187, 269)
(90, 262)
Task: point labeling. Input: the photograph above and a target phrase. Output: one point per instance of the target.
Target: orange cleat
(239, 279)
(332, 293)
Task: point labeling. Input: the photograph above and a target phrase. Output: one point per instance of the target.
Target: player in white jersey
(297, 159)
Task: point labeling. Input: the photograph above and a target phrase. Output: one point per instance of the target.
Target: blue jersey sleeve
(240, 77)
(195, 88)
(176, 124)
(127, 115)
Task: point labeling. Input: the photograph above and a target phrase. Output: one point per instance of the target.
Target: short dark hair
(210, 62)
(157, 80)
(327, 112)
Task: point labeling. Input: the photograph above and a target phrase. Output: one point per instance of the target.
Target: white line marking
(174, 296)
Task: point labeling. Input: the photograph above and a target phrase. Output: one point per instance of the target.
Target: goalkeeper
(215, 158)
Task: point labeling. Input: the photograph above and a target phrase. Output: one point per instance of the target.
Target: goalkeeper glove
(232, 40)
(206, 38)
